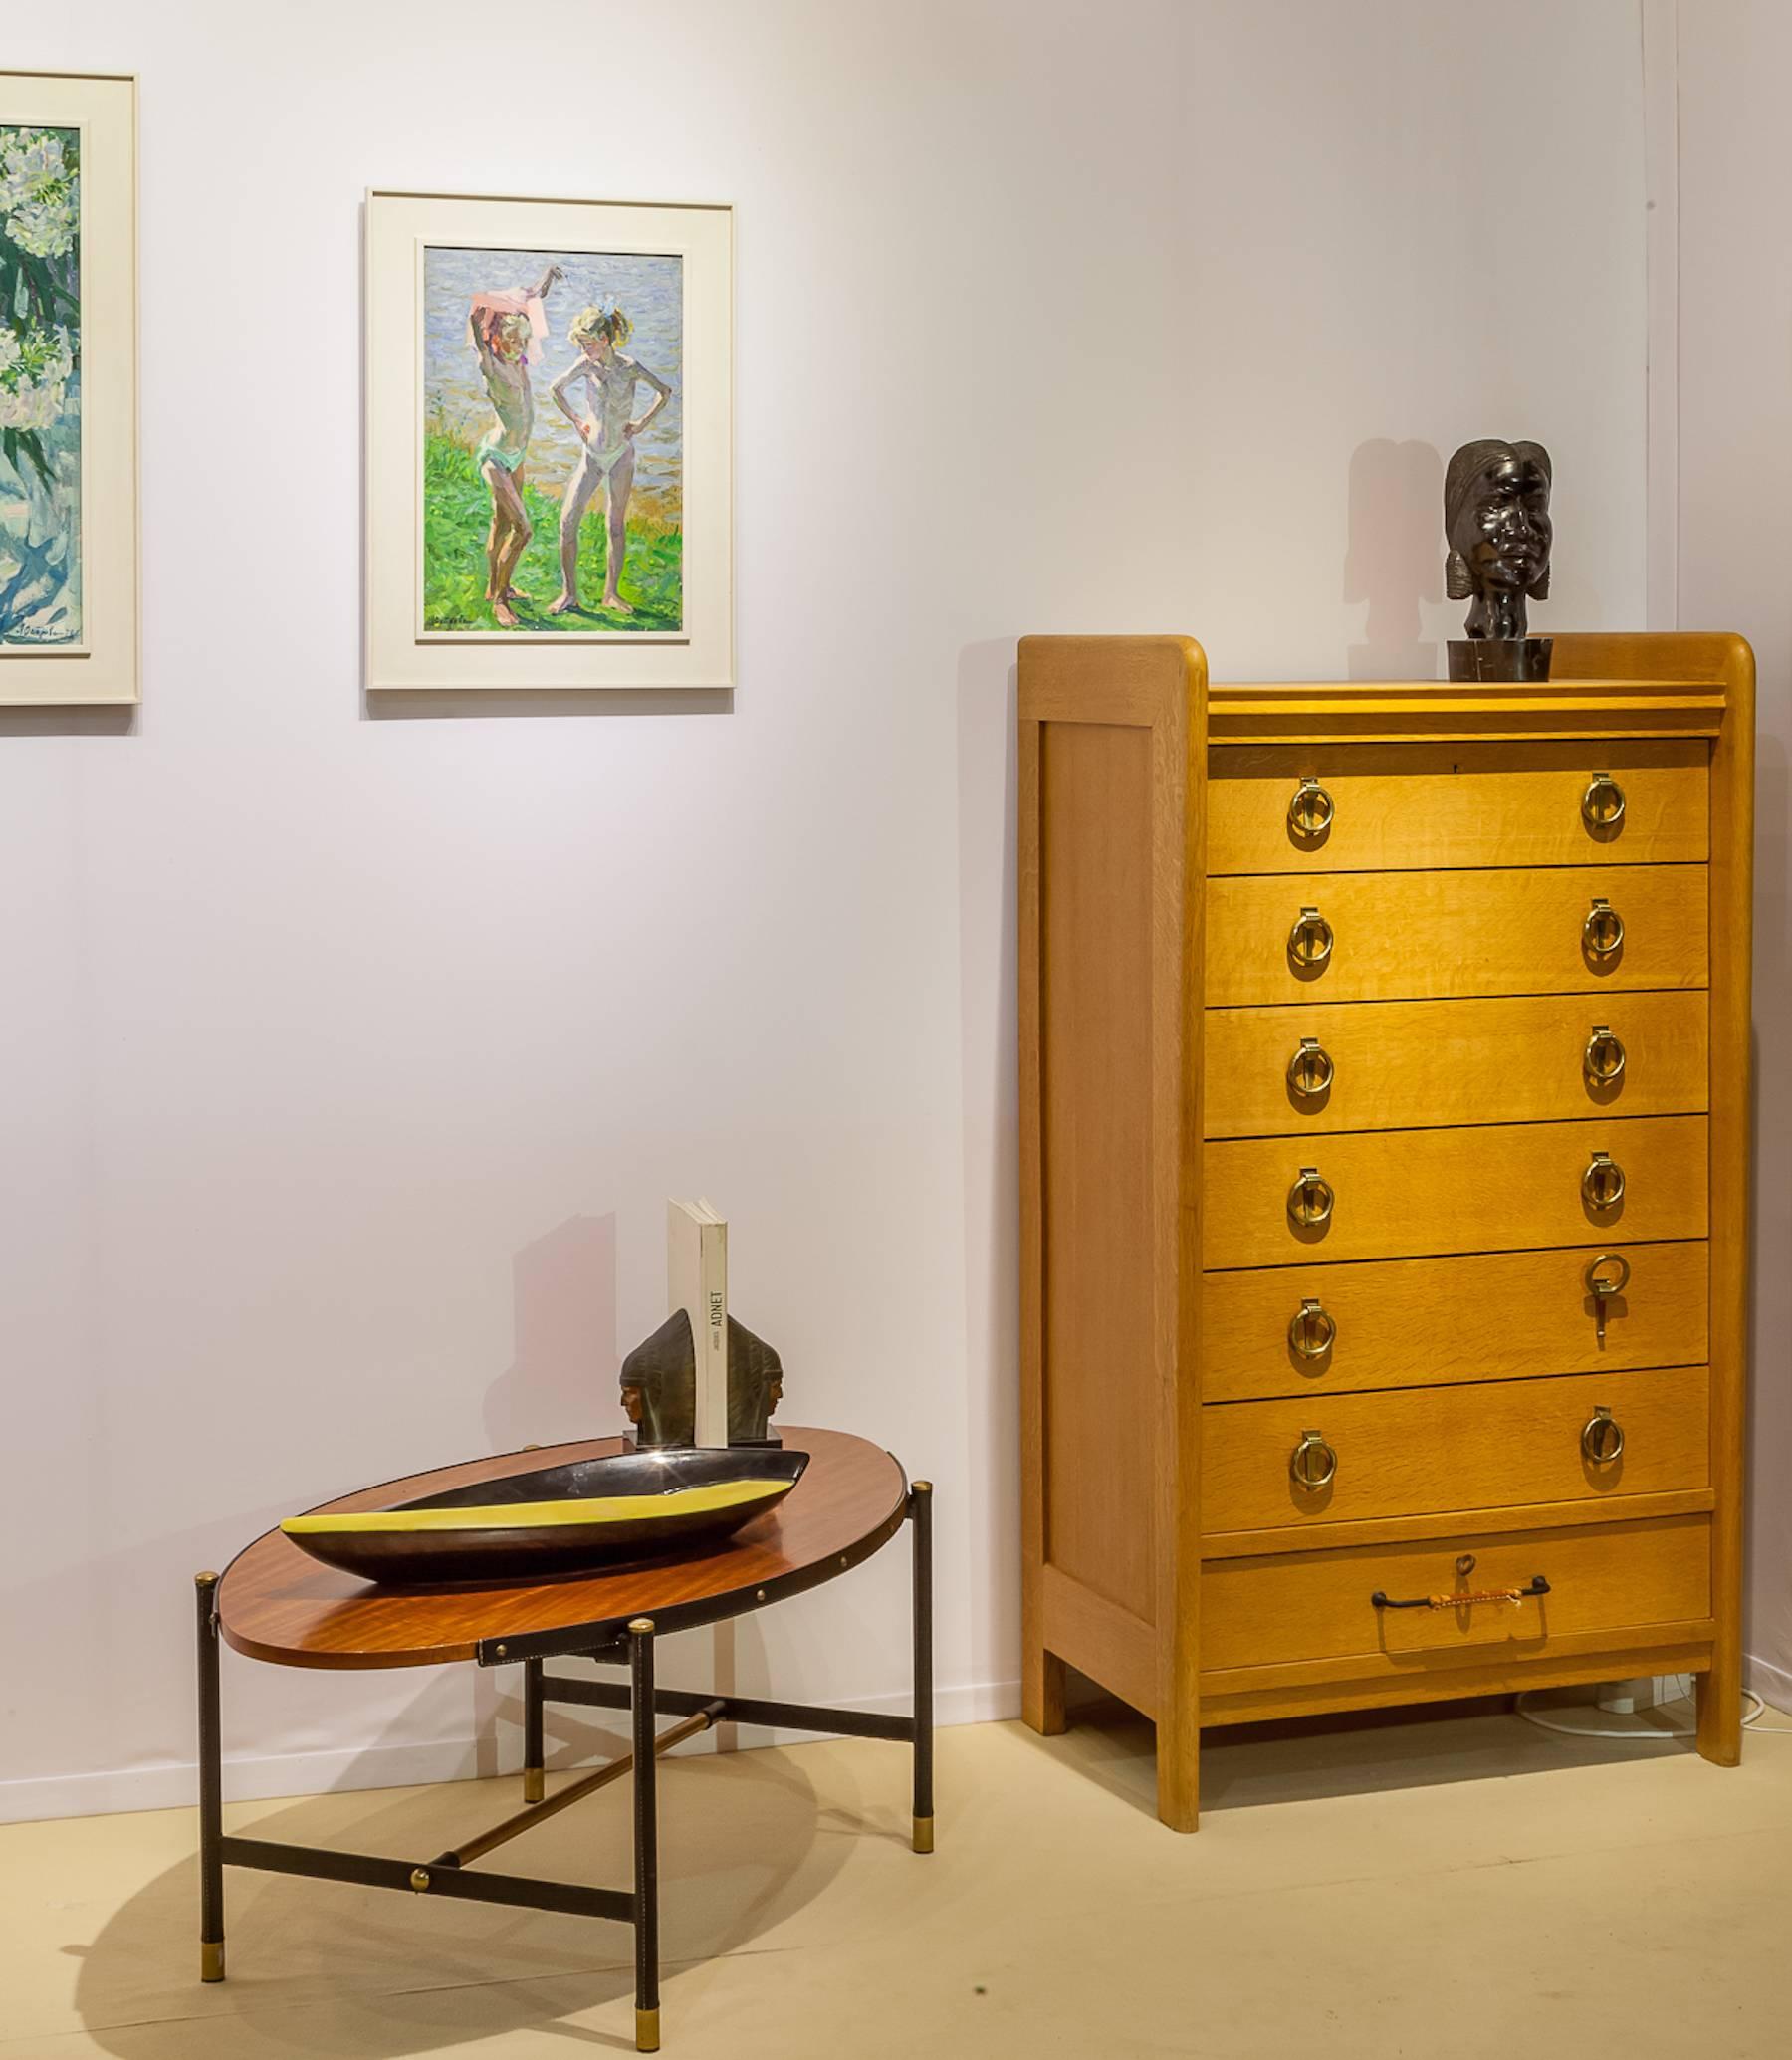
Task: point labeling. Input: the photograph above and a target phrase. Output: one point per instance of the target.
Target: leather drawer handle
(1538, 1587)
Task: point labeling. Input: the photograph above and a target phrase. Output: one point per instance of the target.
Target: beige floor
(1427, 1888)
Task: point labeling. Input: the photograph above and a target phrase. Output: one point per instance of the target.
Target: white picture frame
(431, 621)
(69, 473)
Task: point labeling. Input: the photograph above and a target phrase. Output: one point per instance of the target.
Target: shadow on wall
(562, 1383)
(1767, 1613)
(1395, 558)
(988, 954)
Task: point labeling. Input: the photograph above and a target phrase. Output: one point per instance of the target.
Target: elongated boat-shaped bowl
(555, 1519)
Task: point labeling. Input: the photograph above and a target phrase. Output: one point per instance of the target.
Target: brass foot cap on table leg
(924, 1834)
(647, 2031)
(535, 1784)
(211, 1960)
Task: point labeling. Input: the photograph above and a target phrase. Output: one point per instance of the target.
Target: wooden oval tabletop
(277, 1603)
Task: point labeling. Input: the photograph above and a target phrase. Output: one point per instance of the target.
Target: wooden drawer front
(1424, 805)
(1420, 1451)
(1410, 936)
(1433, 1323)
(1412, 1193)
(1406, 1064)
(1315, 1605)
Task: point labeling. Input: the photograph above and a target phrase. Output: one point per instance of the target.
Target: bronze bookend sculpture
(1498, 527)
(659, 1386)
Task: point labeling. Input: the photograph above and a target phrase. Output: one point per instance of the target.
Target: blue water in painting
(648, 289)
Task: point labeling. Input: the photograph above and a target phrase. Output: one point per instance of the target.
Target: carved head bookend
(1498, 527)
(754, 1386)
(659, 1385)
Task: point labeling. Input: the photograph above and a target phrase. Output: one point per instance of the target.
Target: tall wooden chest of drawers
(1383, 1097)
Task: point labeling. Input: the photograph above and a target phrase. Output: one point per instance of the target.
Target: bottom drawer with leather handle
(1420, 1451)
(1515, 1592)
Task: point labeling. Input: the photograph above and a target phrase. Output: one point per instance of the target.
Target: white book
(697, 1282)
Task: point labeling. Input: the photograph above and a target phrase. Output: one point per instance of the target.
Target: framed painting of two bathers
(548, 444)
(68, 388)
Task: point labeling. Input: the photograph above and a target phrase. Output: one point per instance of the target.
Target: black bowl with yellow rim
(565, 1519)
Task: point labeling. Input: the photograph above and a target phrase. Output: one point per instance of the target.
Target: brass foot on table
(924, 1834)
(535, 1784)
(646, 2031)
(211, 1960)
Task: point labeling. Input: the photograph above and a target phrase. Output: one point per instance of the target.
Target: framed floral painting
(68, 388)
(549, 395)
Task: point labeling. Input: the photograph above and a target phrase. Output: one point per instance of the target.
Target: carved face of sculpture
(1496, 523)
(631, 1402)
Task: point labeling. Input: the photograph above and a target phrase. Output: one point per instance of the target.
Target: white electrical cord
(1751, 1723)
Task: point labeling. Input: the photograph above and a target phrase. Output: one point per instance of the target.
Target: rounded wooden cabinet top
(277, 1603)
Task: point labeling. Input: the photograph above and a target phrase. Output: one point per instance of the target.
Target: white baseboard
(257, 1777)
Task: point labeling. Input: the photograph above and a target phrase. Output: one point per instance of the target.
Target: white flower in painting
(40, 197)
(45, 228)
(34, 373)
(29, 160)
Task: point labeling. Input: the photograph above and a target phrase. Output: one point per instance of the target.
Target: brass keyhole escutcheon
(1314, 1463)
(1602, 934)
(1311, 1330)
(1310, 940)
(1465, 1565)
(1603, 803)
(1604, 1057)
(1602, 1439)
(1603, 1181)
(1311, 811)
(1310, 1199)
(1310, 1071)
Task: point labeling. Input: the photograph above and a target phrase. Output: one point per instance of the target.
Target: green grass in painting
(457, 514)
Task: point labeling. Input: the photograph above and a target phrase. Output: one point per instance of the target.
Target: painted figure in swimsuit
(506, 330)
(607, 429)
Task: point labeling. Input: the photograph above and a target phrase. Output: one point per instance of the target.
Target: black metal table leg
(211, 1785)
(646, 1837)
(921, 1516)
(534, 1779)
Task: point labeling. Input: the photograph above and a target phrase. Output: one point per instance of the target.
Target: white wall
(1735, 454)
(346, 1062)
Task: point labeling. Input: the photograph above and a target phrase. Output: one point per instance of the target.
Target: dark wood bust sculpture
(1497, 528)
(659, 1385)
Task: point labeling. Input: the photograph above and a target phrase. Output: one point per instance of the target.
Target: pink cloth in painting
(517, 301)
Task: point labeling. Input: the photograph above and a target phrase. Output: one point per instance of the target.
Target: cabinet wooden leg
(1720, 1716)
(1042, 1691)
(1179, 1771)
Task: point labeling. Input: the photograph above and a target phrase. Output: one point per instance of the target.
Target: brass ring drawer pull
(1603, 1181)
(1608, 1275)
(1314, 1463)
(1310, 1199)
(1311, 1330)
(1310, 940)
(1603, 803)
(1602, 934)
(1602, 1439)
(1604, 1057)
(1311, 811)
(1310, 1071)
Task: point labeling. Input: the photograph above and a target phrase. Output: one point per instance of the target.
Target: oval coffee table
(274, 1603)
